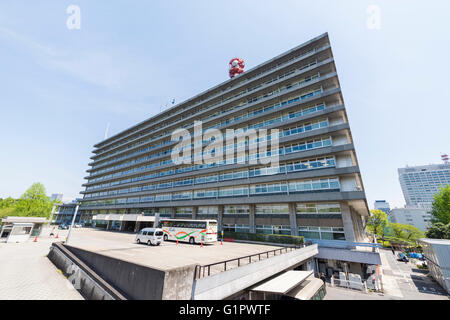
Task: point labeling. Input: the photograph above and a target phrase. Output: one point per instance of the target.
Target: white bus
(192, 231)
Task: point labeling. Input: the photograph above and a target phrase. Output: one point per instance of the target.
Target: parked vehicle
(403, 257)
(63, 226)
(150, 236)
(192, 231)
(78, 225)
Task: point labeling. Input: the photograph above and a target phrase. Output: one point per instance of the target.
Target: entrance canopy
(307, 289)
(124, 217)
(283, 283)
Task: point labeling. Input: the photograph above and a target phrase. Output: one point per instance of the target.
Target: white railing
(373, 283)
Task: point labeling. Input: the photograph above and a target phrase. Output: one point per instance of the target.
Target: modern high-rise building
(382, 205)
(316, 190)
(420, 183)
(56, 196)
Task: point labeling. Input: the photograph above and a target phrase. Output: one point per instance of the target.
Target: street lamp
(73, 221)
(53, 212)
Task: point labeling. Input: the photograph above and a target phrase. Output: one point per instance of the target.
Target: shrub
(261, 237)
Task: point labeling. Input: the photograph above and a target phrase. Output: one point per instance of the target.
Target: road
(406, 281)
(27, 274)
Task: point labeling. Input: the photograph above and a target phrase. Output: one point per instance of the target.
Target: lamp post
(73, 221)
(53, 212)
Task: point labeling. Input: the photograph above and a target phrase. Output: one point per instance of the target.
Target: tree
(34, 202)
(403, 233)
(441, 206)
(377, 222)
(7, 203)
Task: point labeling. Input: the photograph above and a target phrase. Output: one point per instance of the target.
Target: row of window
(288, 149)
(309, 232)
(167, 115)
(218, 125)
(232, 175)
(286, 132)
(259, 189)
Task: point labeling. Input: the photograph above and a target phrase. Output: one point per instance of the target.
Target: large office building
(420, 183)
(316, 190)
(416, 217)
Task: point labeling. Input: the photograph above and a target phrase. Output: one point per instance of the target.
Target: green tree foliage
(438, 231)
(441, 206)
(403, 233)
(7, 203)
(34, 202)
(377, 222)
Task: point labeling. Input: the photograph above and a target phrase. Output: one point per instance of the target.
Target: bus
(192, 231)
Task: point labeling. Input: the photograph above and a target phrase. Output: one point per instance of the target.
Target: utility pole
(53, 212)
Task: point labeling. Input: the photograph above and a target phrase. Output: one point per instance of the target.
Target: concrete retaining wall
(81, 280)
(139, 282)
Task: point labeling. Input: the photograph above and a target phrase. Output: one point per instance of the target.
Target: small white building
(20, 229)
(417, 217)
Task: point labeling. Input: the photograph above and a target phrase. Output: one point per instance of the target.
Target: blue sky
(59, 88)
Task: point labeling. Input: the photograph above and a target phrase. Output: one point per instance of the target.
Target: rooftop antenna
(106, 131)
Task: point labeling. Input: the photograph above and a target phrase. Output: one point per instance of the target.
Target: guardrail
(371, 283)
(201, 270)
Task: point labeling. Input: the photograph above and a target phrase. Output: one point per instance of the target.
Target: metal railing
(344, 244)
(372, 284)
(200, 271)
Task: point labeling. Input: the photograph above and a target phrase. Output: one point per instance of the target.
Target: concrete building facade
(417, 217)
(420, 183)
(316, 191)
(67, 210)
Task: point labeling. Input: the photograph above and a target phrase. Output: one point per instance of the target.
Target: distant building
(66, 212)
(437, 255)
(56, 197)
(420, 184)
(382, 205)
(417, 217)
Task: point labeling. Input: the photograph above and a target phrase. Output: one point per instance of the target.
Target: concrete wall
(349, 255)
(136, 281)
(88, 284)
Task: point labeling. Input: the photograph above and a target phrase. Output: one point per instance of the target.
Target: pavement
(168, 254)
(405, 281)
(27, 274)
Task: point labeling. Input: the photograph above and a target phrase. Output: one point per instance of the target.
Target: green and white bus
(192, 231)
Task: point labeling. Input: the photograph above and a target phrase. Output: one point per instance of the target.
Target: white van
(150, 236)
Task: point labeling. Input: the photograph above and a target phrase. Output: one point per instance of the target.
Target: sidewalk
(27, 274)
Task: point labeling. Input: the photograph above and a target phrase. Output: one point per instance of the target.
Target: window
(272, 209)
(236, 210)
(184, 210)
(211, 210)
(277, 229)
(318, 208)
(322, 233)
